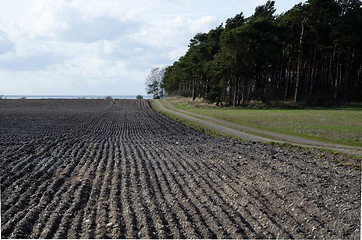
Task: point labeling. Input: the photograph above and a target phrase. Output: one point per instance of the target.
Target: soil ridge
(85, 169)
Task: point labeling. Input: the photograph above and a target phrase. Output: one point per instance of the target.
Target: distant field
(337, 125)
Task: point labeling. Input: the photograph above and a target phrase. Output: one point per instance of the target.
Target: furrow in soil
(110, 168)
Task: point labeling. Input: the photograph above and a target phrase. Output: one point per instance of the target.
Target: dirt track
(118, 169)
(247, 133)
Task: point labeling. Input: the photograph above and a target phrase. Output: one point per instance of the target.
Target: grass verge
(334, 125)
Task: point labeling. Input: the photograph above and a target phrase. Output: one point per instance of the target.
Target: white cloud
(177, 53)
(28, 63)
(6, 45)
(175, 32)
(43, 20)
(71, 21)
(99, 46)
(92, 76)
(96, 29)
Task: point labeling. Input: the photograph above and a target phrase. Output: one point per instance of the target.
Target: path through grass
(337, 125)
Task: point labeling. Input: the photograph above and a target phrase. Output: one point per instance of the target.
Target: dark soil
(119, 169)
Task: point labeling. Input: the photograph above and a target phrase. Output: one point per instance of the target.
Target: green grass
(336, 125)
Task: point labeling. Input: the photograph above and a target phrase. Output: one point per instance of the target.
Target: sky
(102, 47)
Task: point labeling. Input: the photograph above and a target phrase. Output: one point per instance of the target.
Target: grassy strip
(339, 158)
(231, 127)
(339, 125)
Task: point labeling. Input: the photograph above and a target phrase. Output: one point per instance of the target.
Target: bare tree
(153, 83)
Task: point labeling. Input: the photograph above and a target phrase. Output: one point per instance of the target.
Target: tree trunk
(336, 79)
(193, 90)
(243, 92)
(331, 67)
(313, 76)
(299, 65)
(240, 91)
(288, 79)
(218, 100)
(347, 75)
(235, 97)
(267, 85)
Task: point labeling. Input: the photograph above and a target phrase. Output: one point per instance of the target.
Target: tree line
(311, 53)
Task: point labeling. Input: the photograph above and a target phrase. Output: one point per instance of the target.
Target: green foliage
(213, 95)
(314, 49)
(139, 97)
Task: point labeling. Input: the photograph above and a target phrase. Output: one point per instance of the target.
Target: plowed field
(119, 169)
